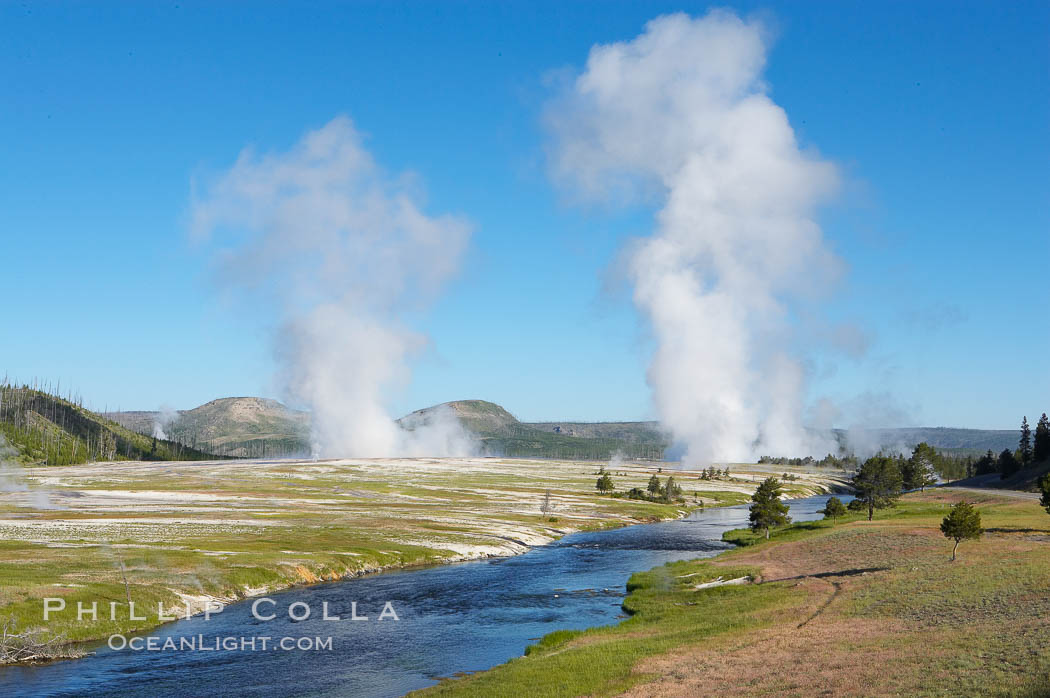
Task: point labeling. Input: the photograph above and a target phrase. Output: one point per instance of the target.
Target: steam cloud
(164, 418)
(680, 115)
(340, 250)
(12, 480)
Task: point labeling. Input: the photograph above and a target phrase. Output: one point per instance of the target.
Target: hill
(235, 426)
(258, 427)
(51, 430)
(500, 433)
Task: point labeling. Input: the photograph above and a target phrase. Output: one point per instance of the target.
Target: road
(988, 490)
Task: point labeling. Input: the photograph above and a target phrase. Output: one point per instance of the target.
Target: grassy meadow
(848, 607)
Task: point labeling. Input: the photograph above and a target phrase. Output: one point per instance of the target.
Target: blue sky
(937, 113)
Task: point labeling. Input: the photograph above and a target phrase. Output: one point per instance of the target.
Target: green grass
(724, 498)
(974, 627)
(665, 614)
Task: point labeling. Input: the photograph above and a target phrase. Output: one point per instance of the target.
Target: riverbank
(188, 534)
(845, 608)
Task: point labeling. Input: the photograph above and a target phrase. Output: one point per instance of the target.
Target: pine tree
(963, 522)
(1044, 485)
(834, 508)
(986, 465)
(604, 483)
(1041, 449)
(1025, 444)
(878, 484)
(654, 486)
(767, 510)
(1007, 464)
(919, 470)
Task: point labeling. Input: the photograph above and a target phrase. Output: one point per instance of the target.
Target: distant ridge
(501, 434)
(947, 438)
(260, 427)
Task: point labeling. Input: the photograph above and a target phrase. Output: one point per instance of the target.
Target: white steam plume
(163, 419)
(339, 250)
(681, 114)
(12, 480)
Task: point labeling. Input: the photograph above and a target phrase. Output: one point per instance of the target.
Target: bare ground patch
(888, 614)
(837, 658)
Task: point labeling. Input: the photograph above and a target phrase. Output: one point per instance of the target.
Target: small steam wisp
(163, 419)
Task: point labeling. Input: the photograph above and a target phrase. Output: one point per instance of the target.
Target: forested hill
(50, 430)
(250, 427)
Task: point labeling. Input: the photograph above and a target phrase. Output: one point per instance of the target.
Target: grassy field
(846, 608)
(193, 533)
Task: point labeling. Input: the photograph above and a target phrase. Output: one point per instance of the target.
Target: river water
(453, 618)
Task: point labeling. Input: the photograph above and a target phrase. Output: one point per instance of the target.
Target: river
(453, 618)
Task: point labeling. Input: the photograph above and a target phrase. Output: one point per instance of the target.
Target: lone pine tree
(767, 510)
(834, 508)
(963, 522)
(605, 482)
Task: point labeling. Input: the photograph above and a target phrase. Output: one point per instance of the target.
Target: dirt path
(1017, 494)
(856, 628)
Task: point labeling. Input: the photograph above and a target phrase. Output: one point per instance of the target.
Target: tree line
(878, 484)
(666, 493)
(844, 461)
(882, 479)
(1033, 450)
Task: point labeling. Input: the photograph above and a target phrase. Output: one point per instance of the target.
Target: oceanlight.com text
(215, 643)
